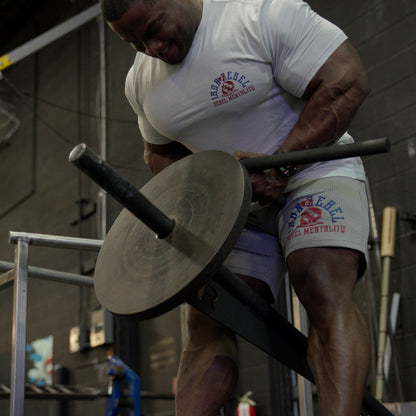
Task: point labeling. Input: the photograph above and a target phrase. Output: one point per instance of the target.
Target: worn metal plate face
(208, 195)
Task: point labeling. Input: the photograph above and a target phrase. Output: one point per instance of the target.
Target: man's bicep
(343, 71)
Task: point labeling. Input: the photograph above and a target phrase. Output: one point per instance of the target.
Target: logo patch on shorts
(314, 216)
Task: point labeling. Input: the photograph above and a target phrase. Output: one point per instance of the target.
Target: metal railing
(18, 274)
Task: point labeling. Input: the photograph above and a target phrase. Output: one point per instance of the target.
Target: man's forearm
(158, 157)
(320, 125)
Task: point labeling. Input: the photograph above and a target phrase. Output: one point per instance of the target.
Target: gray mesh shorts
(329, 212)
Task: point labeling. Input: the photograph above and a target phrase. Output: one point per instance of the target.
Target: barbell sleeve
(121, 190)
(320, 154)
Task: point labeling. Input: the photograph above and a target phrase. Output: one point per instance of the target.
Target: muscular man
(255, 77)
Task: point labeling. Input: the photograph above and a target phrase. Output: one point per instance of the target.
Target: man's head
(163, 29)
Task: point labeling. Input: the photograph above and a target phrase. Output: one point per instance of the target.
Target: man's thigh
(324, 274)
(257, 259)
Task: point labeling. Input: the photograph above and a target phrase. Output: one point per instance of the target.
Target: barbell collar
(320, 154)
(125, 193)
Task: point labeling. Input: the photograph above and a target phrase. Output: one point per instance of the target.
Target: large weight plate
(208, 195)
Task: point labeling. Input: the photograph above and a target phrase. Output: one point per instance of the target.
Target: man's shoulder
(264, 8)
(234, 1)
(142, 64)
(137, 73)
(221, 4)
(255, 2)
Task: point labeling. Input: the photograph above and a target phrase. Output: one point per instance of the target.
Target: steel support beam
(44, 274)
(47, 240)
(49, 36)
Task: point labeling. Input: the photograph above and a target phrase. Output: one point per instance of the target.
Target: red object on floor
(246, 406)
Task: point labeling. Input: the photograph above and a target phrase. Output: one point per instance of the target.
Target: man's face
(163, 29)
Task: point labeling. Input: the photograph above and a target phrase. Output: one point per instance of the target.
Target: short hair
(114, 9)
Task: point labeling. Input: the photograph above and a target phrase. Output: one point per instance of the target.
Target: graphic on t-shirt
(229, 86)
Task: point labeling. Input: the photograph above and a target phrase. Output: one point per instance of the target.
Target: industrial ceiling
(22, 20)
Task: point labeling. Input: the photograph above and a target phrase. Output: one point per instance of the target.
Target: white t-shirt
(241, 83)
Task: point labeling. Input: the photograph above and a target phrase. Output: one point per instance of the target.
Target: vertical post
(102, 232)
(300, 321)
(17, 385)
(387, 252)
(290, 318)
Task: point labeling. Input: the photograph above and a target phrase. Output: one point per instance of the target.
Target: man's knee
(201, 326)
(208, 335)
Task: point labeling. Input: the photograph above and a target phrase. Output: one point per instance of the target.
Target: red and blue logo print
(315, 215)
(229, 86)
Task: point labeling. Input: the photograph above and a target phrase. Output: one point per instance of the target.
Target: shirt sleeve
(148, 132)
(297, 41)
